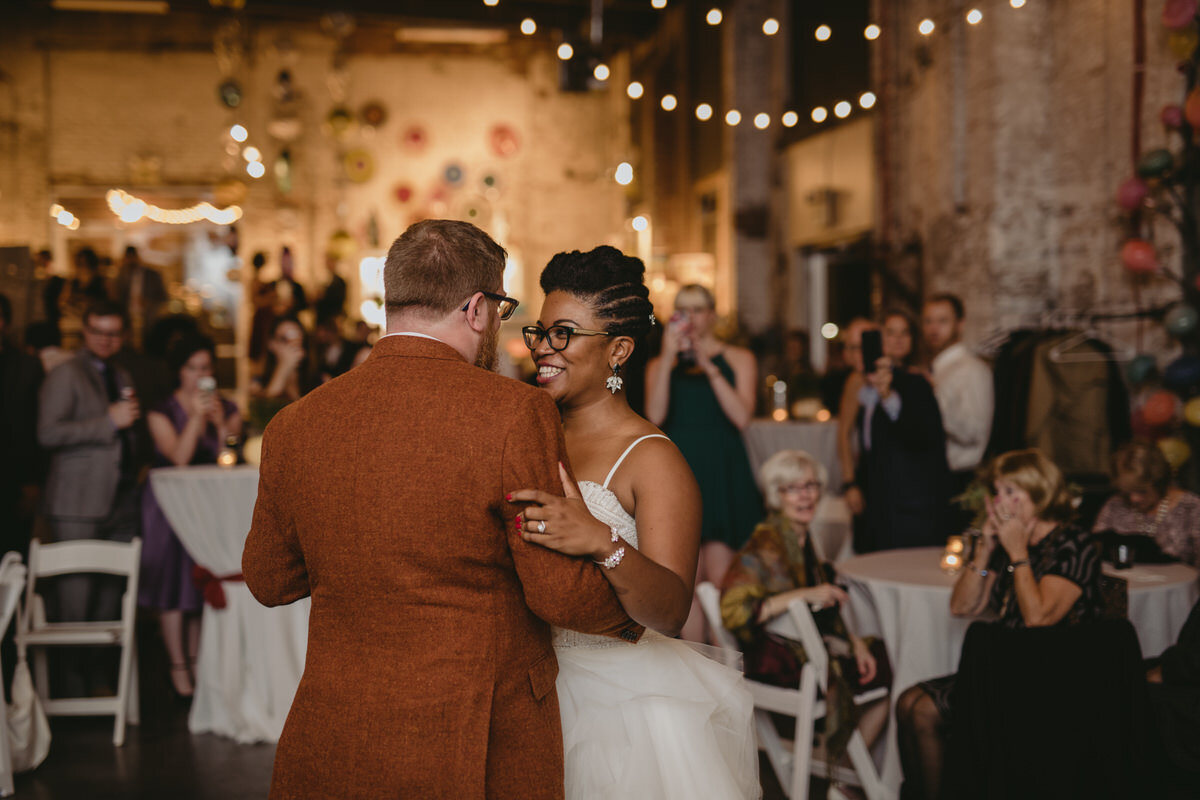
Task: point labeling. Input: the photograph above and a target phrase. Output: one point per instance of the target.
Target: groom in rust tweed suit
(382, 496)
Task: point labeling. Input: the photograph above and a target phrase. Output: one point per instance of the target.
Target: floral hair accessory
(653, 321)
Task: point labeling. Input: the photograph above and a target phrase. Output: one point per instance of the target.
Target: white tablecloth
(251, 657)
(764, 438)
(903, 596)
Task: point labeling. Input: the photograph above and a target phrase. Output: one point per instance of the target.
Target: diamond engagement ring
(542, 526)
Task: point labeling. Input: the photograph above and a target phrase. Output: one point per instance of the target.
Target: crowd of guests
(81, 427)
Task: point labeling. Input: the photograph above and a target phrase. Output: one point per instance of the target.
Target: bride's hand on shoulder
(561, 523)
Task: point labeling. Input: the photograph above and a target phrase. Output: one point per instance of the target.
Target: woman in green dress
(701, 392)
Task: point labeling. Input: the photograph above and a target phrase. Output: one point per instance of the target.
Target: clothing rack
(1065, 320)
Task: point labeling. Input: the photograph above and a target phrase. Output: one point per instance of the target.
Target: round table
(904, 596)
(251, 657)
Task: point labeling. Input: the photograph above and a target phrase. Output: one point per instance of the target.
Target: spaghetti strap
(635, 443)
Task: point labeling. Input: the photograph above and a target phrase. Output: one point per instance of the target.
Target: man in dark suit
(384, 496)
(902, 471)
(21, 464)
(141, 290)
(85, 420)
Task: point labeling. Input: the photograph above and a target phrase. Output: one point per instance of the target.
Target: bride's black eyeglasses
(505, 305)
(559, 336)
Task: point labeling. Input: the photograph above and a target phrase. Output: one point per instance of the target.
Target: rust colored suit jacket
(430, 672)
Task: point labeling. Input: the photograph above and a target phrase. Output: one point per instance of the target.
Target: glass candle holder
(953, 556)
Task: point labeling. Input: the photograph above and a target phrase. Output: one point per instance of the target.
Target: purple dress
(166, 581)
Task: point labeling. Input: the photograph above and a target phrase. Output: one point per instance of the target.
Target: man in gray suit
(85, 420)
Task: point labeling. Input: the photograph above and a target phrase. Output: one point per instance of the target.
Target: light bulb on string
(733, 117)
(639, 223)
(669, 102)
(867, 99)
(252, 153)
(823, 32)
(1016, 3)
(565, 51)
(239, 133)
(871, 32)
(762, 121)
(820, 114)
(789, 119)
(926, 27)
(714, 16)
(624, 173)
(842, 109)
(601, 72)
(491, 3)
(658, 3)
(974, 16)
(770, 26)
(255, 169)
(635, 90)
(704, 112)
(528, 26)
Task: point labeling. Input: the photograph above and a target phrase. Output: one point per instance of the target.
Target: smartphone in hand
(872, 349)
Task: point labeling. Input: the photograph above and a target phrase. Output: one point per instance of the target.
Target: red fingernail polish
(508, 497)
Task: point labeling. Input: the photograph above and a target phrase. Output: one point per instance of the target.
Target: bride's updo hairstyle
(610, 282)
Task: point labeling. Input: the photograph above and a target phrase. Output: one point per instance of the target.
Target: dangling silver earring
(614, 382)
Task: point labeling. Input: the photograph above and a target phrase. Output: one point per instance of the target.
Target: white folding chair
(36, 634)
(12, 583)
(793, 761)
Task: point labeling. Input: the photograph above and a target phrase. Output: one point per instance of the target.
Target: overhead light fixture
(113, 6)
(528, 26)
(565, 51)
(447, 35)
(669, 102)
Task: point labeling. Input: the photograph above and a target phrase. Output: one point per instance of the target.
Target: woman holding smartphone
(700, 391)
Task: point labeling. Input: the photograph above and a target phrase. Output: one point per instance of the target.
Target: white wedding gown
(656, 720)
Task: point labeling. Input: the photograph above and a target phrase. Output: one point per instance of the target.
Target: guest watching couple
(702, 392)
(189, 428)
(780, 564)
(1148, 509)
(899, 488)
(655, 719)
(430, 670)
(1033, 567)
(285, 377)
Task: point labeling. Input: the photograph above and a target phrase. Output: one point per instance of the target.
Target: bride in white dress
(656, 719)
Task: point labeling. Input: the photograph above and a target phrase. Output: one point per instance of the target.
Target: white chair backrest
(12, 584)
(710, 603)
(85, 555)
(810, 637)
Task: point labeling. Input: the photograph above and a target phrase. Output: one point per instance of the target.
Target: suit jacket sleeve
(57, 426)
(563, 590)
(272, 561)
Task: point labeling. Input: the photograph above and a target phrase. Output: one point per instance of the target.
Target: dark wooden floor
(161, 759)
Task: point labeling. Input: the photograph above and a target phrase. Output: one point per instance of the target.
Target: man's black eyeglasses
(507, 305)
(559, 336)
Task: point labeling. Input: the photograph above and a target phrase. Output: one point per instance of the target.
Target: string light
(255, 169)
(669, 102)
(733, 117)
(601, 72)
(829, 330)
(123, 204)
(639, 223)
(252, 154)
(624, 173)
(770, 26)
(635, 90)
(658, 3)
(926, 27)
(819, 114)
(55, 210)
(974, 16)
(64, 217)
(528, 27)
(491, 3)
(823, 32)
(704, 112)
(761, 121)
(239, 133)
(1016, 3)
(714, 16)
(871, 32)
(842, 109)
(789, 119)
(867, 99)
(565, 51)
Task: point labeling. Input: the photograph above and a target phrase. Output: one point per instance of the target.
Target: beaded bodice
(605, 507)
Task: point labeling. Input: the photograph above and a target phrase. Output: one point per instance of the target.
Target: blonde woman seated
(780, 564)
(1032, 567)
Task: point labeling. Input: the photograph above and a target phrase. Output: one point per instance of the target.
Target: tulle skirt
(655, 720)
